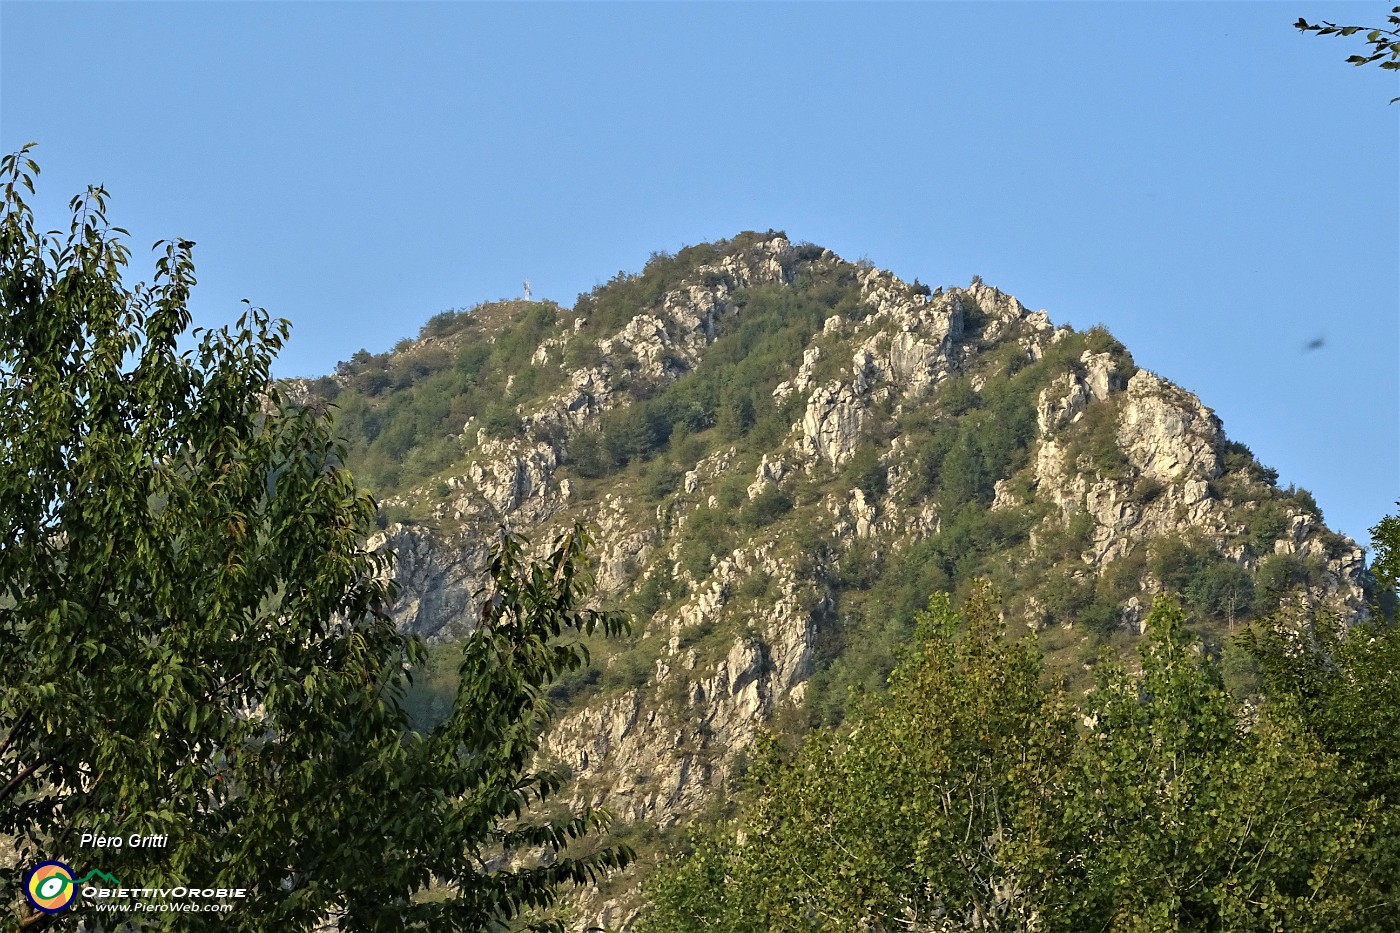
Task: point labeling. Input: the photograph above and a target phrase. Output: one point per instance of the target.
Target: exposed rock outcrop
(517, 481)
(832, 423)
(438, 581)
(1167, 433)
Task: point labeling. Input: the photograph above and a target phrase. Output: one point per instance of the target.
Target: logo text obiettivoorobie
(52, 886)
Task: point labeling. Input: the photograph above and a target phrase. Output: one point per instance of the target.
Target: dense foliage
(969, 798)
(406, 415)
(193, 637)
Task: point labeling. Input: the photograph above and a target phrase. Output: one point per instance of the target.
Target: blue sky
(1215, 187)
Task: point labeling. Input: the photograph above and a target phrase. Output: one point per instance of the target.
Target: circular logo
(49, 887)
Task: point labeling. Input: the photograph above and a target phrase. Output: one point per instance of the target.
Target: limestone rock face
(769, 473)
(438, 581)
(672, 338)
(1101, 375)
(1003, 312)
(518, 479)
(918, 362)
(913, 337)
(864, 513)
(645, 337)
(621, 544)
(1174, 446)
(1167, 433)
(654, 752)
(1120, 517)
(810, 357)
(1069, 394)
(1061, 403)
(832, 422)
(589, 394)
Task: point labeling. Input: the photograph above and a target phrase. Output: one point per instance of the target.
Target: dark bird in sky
(1313, 344)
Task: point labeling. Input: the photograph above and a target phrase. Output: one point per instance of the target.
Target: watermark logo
(51, 887)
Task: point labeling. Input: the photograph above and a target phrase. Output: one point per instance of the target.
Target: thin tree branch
(19, 779)
(14, 731)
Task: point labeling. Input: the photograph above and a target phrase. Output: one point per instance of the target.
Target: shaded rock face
(438, 581)
(656, 752)
(736, 641)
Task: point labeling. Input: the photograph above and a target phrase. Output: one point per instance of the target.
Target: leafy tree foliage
(900, 823)
(1217, 588)
(1386, 565)
(193, 640)
(1385, 43)
(1342, 683)
(969, 799)
(1177, 815)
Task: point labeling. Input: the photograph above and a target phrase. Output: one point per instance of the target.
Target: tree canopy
(193, 637)
(975, 796)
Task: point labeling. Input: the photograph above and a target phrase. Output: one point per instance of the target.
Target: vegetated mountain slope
(785, 454)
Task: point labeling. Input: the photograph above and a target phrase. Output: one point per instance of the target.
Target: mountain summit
(785, 453)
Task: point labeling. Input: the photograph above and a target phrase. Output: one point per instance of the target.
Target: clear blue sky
(1211, 184)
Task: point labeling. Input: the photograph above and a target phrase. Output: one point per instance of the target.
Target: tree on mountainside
(193, 636)
(903, 822)
(1183, 811)
(1341, 681)
(1385, 43)
(1386, 564)
(969, 799)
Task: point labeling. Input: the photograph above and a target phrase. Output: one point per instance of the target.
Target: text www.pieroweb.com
(141, 906)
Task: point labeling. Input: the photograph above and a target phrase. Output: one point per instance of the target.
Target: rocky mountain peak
(783, 454)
